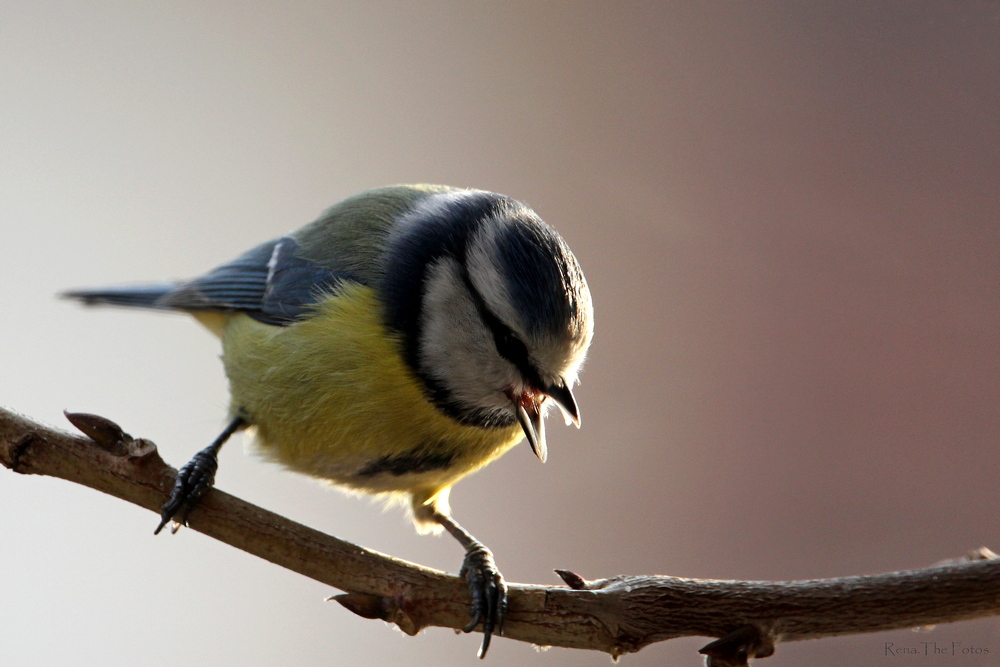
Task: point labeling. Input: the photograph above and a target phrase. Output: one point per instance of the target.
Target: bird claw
(488, 591)
(194, 479)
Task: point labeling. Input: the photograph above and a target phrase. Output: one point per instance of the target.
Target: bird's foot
(488, 591)
(193, 481)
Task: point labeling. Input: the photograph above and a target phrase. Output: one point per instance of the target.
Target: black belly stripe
(410, 462)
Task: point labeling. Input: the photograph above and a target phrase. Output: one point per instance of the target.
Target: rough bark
(617, 615)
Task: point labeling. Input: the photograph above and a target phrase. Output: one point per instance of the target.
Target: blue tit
(402, 341)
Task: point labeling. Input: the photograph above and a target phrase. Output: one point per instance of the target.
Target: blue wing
(271, 283)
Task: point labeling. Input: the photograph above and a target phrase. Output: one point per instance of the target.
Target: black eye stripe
(508, 345)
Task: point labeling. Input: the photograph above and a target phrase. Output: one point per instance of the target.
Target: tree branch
(617, 615)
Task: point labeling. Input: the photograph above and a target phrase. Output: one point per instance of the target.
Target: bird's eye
(510, 347)
(507, 343)
(513, 349)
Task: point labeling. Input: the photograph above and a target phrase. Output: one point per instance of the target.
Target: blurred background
(787, 212)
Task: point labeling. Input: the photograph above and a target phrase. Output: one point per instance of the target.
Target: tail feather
(130, 296)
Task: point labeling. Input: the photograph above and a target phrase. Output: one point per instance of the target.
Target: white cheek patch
(456, 347)
(488, 278)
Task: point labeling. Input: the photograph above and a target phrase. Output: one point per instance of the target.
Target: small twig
(617, 615)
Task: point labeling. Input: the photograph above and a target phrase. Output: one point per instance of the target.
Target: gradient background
(788, 214)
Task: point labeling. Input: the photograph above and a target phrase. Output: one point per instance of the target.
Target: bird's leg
(486, 585)
(195, 478)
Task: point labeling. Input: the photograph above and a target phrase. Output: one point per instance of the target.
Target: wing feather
(271, 283)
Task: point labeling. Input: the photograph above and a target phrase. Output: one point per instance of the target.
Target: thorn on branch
(736, 648)
(364, 605)
(387, 609)
(110, 435)
(573, 580)
(981, 553)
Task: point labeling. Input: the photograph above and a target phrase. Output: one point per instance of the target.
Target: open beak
(563, 396)
(529, 414)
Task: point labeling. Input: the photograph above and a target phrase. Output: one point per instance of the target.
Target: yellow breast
(331, 396)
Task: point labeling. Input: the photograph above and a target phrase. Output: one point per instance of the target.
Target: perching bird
(405, 339)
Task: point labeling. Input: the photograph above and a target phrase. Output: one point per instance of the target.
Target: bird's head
(504, 315)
